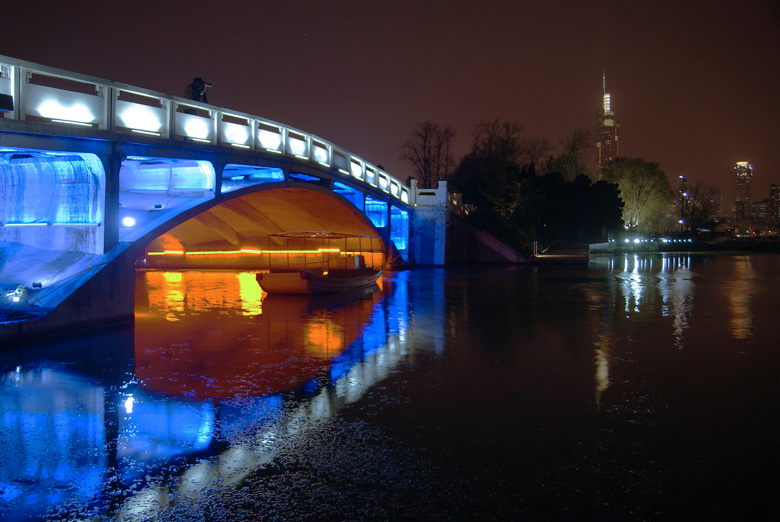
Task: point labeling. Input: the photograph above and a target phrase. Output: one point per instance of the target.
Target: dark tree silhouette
(535, 149)
(427, 150)
(497, 140)
(573, 159)
(577, 210)
(698, 206)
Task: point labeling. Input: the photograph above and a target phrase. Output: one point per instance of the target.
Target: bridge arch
(236, 232)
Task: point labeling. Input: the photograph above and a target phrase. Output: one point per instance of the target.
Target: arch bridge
(95, 174)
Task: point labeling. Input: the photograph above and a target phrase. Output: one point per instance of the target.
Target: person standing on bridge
(197, 90)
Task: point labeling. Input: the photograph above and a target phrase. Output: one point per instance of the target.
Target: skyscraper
(774, 200)
(606, 131)
(743, 175)
(716, 200)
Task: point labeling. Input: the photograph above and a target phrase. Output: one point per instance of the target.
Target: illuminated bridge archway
(240, 232)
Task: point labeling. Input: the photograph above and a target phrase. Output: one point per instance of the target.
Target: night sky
(695, 85)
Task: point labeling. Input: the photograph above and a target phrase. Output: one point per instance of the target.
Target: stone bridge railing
(37, 93)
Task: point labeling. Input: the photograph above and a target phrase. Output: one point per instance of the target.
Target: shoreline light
(257, 251)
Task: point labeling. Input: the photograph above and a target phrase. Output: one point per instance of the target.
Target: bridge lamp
(128, 221)
(270, 140)
(297, 147)
(236, 134)
(196, 128)
(370, 176)
(78, 113)
(140, 118)
(357, 170)
(321, 155)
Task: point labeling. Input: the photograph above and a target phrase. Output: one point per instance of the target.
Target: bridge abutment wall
(429, 233)
(101, 296)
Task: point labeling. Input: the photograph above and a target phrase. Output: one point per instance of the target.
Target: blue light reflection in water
(52, 438)
(70, 438)
(647, 382)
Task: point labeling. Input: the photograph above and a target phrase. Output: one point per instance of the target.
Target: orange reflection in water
(739, 292)
(173, 294)
(212, 334)
(324, 339)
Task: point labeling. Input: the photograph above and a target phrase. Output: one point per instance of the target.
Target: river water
(639, 388)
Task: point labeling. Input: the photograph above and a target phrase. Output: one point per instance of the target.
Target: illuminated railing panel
(64, 107)
(235, 131)
(297, 145)
(195, 128)
(141, 113)
(356, 168)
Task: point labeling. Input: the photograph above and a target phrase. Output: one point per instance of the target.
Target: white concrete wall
(430, 224)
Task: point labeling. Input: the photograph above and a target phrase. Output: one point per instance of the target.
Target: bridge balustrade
(32, 92)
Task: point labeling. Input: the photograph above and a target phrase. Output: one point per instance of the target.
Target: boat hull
(318, 282)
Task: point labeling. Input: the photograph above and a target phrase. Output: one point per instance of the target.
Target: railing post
(17, 74)
(111, 95)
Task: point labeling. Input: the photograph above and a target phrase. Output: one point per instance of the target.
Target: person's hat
(198, 79)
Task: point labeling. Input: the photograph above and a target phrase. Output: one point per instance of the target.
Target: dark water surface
(640, 388)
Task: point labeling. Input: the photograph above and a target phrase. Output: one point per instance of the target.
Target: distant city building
(716, 200)
(774, 200)
(760, 209)
(606, 131)
(743, 176)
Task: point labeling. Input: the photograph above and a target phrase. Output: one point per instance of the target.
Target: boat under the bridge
(341, 263)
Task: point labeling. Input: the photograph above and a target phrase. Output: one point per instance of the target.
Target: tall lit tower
(606, 131)
(743, 175)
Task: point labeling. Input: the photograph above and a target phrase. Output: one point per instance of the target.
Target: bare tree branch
(427, 151)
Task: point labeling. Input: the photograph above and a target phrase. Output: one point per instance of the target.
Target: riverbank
(656, 245)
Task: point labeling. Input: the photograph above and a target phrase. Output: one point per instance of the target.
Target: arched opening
(243, 232)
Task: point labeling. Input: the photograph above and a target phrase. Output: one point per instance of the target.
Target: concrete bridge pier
(112, 163)
(429, 233)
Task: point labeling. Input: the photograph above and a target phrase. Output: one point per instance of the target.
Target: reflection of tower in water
(604, 339)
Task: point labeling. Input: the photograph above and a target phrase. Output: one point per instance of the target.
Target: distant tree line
(519, 188)
(523, 188)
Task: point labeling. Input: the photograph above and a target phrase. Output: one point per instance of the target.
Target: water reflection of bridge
(191, 406)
